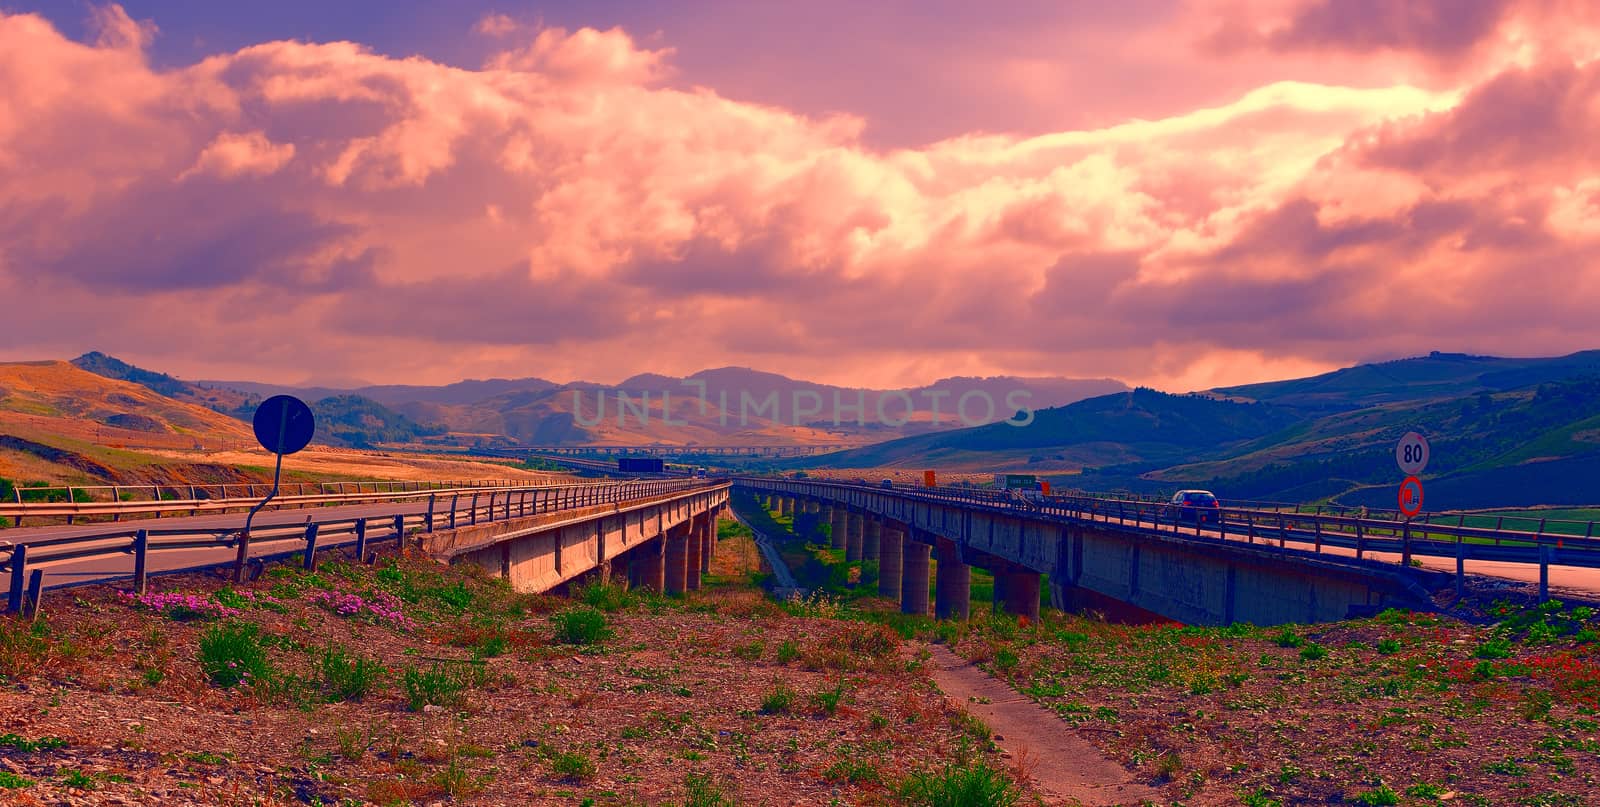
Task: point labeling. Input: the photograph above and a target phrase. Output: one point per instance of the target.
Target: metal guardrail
(1406, 538)
(218, 498)
(448, 509)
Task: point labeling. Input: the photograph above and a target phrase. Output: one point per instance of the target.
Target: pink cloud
(567, 211)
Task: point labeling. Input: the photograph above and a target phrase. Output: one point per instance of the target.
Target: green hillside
(1437, 375)
(1142, 426)
(356, 422)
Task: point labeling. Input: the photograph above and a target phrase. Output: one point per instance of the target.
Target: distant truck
(641, 465)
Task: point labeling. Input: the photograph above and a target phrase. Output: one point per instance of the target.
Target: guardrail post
(69, 501)
(311, 548)
(1250, 521)
(141, 547)
(492, 494)
(19, 577)
(361, 540)
(1544, 573)
(427, 521)
(1461, 568)
(1360, 535)
(115, 497)
(453, 498)
(473, 513)
(400, 531)
(35, 591)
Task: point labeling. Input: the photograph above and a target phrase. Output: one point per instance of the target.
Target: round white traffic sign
(1411, 454)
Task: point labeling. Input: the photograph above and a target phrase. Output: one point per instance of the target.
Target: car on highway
(1193, 507)
(887, 484)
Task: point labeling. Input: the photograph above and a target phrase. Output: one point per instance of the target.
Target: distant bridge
(1250, 565)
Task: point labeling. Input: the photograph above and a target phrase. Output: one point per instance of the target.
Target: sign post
(1411, 454)
(283, 425)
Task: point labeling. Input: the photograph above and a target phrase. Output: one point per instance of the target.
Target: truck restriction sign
(1411, 454)
(1411, 496)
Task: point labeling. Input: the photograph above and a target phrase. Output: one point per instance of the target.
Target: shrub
(607, 597)
(854, 771)
(346, 677)
(580, 626)
(10, 780)
(779, 700)
(1313, 652)
(788, 651)
(573, 765)
(435, 687)
(703, 792)
(232, 654)
(1493, 649)
(1004, 659)
(24, 647)
(1383, 795)
(1388, 647)
(974, 785)
(1288, 638)
(827, 701)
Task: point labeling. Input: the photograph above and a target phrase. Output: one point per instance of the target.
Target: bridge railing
(126, 500)
(1575, 541)
(445, 509)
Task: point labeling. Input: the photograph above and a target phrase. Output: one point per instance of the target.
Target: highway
(68, 555)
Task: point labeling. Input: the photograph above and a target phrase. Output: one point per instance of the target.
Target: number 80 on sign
(1411, 453)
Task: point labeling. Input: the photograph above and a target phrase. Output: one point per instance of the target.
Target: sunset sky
(1180, 194)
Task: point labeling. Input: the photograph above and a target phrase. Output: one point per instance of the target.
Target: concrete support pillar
(889, 561)
(852, 547)
(708, 546)
(871, 538)
(677, 559)
(1000, 578)
(953, 588)
(914, 577)
(694, 547)
(766, 502)
(813, 506)
(650, 565)
(841, 528)
(1022, 593)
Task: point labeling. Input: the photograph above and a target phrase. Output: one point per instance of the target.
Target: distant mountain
(461, 392)
(740, 406)
(359, 422)
(1142, 426)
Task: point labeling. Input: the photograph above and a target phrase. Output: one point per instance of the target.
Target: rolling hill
(1505, 432)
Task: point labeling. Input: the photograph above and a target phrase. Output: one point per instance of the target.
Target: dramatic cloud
(569, 210)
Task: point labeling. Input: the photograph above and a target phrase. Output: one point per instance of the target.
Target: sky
(1177, 194)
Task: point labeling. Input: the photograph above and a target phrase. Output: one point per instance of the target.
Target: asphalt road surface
(273, 533)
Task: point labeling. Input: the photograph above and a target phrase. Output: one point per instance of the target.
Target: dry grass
(671, 702)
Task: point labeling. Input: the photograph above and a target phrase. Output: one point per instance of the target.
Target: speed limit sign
(1411, 454)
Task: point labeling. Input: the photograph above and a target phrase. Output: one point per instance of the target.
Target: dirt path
(1066, 769)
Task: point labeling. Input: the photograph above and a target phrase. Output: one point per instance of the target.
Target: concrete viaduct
(663, 544)
(1088, 563)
